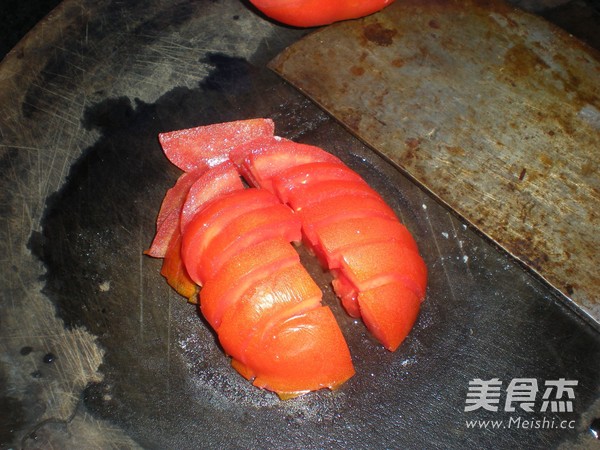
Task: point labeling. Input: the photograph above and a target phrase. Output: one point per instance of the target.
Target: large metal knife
(493, 110)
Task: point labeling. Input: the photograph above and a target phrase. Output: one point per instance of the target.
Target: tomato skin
(259, 164)
(209, 186)
(247, 229)
(389, 312)
(302, 175)
(283, 293)
(311, 13)
(240, 273)
(216, 215)
(335, 237)
(304, 353)
(373, 264)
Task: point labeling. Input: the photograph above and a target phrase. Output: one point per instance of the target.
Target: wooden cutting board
(493, 110)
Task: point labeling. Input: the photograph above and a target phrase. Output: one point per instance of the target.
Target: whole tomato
(311, 13)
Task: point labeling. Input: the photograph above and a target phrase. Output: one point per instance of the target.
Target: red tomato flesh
(260, 165)
(334, 237)
(240, 273)
(209, 186)
(175, 272)
(304, 353)
(210, 144)
(307, 174)
(389, 312)
(371, 265)
(304, 196)
(167, 223)
(212, 219)
(247, 229)
(286, 292)
(338, 208)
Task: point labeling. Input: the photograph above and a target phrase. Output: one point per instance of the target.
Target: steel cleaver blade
(492, 110)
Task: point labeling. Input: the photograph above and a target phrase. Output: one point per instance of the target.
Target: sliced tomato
(260, 165)
(209, 186)
(307, 195)
(389, 312)
(247, 229)
(334, 237)
(242, 272)
(371, 265)
(307, 174)
(212, 219)
(304, 353)
(167, 222)
(285, 292)
(210, 144)
(347, 293)
(339, 208)
(175, 273)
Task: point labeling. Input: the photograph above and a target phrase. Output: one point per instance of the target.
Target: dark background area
(17, 17)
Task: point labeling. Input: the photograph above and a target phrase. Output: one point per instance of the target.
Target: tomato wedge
(336, 236)
(210, 145)
(175, 272)
(212, 219)
(304, 353)
(313, 193)
(261, 164)
(168, 219)
(389, 312)
(242, 272)
(246, 229)
(284, 293)
(371, 265)
(209, 186)
(338, 208)
(307, 174)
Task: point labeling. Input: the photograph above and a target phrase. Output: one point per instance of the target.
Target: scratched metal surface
(97, 352)
(493, 110)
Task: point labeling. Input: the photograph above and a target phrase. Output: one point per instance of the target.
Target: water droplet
(49, 358)
(595, 428)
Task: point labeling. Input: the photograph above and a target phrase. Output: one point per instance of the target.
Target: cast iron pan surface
(97, 351)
